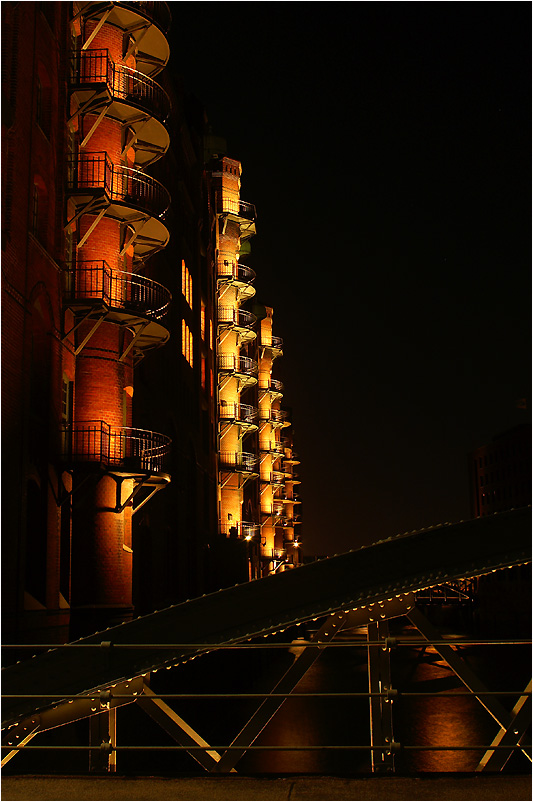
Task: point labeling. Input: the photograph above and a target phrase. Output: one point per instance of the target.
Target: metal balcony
(121, 449)
(240, 320)
(96, 173)
(275, 478)
(241, 367)
(237, 275)
(95, 292)
(242, 414)
(274, 346)
(237, 462)
(94, 281)
(276, 417)
(272, 386)
(276, 449)
(146, 23)
(244, 530)
(239, 212)
(127, 95)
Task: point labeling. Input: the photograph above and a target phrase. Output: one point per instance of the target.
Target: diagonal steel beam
(463, 671)
(177, 728)
(269, 707)
(495, 759)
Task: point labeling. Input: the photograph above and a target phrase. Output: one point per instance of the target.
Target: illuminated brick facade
(130, 364)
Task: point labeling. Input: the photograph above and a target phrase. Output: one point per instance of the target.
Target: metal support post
(379, 681)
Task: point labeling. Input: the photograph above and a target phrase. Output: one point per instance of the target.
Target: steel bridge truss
(366, 588)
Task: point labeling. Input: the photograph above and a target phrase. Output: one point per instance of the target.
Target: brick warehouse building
(120, 261)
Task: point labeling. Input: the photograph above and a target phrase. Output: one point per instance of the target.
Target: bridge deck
(384, 570)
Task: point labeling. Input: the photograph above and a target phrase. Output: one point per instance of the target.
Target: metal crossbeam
(495, 759)
(463, 671)
(303, 662)
(177, 728)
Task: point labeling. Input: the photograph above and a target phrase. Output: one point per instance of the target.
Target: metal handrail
(238, 461)
(243, 413)
(94, 280)
(237, 364)
(274, 415)
(235, 271)
(237, 317)
(244, 529)
(275, 477)
(127, 447)
(95, 170)
(273, 448)
(275, 342)
(271, 384)
(239, 208)
(123, 83)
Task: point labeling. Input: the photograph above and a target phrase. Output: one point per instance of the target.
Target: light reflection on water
(423, 721)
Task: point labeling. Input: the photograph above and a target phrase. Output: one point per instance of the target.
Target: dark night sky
(387, 149)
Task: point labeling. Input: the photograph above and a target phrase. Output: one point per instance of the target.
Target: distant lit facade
(255, 462)
(500, 473)
(129, 366)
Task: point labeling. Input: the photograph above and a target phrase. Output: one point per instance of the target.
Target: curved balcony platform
(272, 386)
(146, 23)
(237, 275)
(274, 478)
(276, 417)
(240, 320)
(242, 368)
(125, 95)
(274, 347)
(239, 212)
(276, 449)
(242, 415)
(127, 299)
(98, 187)
(237, 462)
(123, 451)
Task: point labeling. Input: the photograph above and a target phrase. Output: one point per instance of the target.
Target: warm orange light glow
(186, 283)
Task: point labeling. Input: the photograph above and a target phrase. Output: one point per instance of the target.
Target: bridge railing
(490, 755)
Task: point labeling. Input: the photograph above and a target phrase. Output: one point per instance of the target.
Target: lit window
(186, 343)
(211, 335)
(202, 321)
(186, 283)
(203, 372)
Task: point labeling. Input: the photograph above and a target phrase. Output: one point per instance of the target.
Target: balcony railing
(117, 447)
(272, 385)
(235, 271)
(238, 208)
(276, 343)
(273, 415)
(276, 449)
(90, 171)
(244, 530)
(95, 281)
(123, 83)
(274, 478)
(242, 413)
(242, 365)
(240, 318)
(238, 462)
